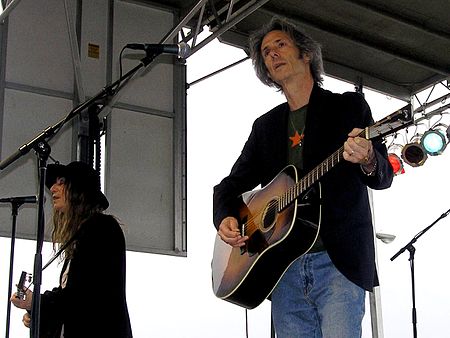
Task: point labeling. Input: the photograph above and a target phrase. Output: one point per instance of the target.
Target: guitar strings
(285, 199)
(294, 191)
(250, 226)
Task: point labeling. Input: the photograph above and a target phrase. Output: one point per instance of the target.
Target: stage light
(414, 153)
(433, 141)
(395, 160)
(396, 163)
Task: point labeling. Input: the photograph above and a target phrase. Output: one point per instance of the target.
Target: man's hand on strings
(229, 232)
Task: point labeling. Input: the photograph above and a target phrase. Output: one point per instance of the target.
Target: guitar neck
(308, 180)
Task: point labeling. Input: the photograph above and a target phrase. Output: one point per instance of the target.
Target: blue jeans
(314, 300)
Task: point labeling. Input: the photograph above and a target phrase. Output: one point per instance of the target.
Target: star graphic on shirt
(296, 139)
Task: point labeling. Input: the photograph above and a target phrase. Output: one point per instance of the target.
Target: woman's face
(58, 190)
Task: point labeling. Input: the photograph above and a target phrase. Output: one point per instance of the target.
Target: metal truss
(219, 16)
(8, 7)
(437, 106)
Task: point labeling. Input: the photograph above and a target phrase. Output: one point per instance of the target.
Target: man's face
(282, 57)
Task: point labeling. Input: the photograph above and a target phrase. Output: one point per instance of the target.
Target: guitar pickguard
(308, 207)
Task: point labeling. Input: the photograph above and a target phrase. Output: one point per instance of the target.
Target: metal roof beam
(383, 48)
(397, 17)
(344, 72)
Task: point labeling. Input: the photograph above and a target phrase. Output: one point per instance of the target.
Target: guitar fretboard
(312, 177)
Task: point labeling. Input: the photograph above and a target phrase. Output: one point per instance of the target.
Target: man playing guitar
(321, 289)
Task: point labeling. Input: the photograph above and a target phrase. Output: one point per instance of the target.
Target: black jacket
(93, 303)
(346, 226)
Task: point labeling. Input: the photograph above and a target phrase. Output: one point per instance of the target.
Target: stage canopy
(396, 47)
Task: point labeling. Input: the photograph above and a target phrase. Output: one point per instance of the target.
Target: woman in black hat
(90, 300)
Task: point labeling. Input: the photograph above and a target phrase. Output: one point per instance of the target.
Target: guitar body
(246, 276)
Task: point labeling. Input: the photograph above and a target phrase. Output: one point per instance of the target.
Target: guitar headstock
(24, 284)
(399, 119)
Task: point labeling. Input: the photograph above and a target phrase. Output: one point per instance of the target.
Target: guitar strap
(61, 249)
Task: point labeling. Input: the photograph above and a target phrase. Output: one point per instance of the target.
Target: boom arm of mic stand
(416, 237)
(123, 82)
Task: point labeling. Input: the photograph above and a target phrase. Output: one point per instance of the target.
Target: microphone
(20, 200)
(181, 49)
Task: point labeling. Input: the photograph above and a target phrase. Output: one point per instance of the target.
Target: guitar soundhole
(270, 215)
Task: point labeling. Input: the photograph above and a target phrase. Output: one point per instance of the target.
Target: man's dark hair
(305, 44)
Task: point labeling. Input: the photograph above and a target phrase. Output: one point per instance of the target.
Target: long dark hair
(65, 224)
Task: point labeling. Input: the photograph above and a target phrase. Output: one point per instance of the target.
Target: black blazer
(346, 227)
(93, 303)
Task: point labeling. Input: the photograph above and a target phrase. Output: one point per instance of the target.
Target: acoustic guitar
(282, 221)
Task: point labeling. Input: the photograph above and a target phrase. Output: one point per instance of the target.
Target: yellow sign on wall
(93, 51)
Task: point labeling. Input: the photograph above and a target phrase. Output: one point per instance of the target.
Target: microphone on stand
(181, 49)
(20, 200)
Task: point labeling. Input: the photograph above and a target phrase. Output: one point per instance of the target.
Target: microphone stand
(410, 247)
(42, 149)
(14, 211)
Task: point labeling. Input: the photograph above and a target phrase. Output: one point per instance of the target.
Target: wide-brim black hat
(83, 178)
